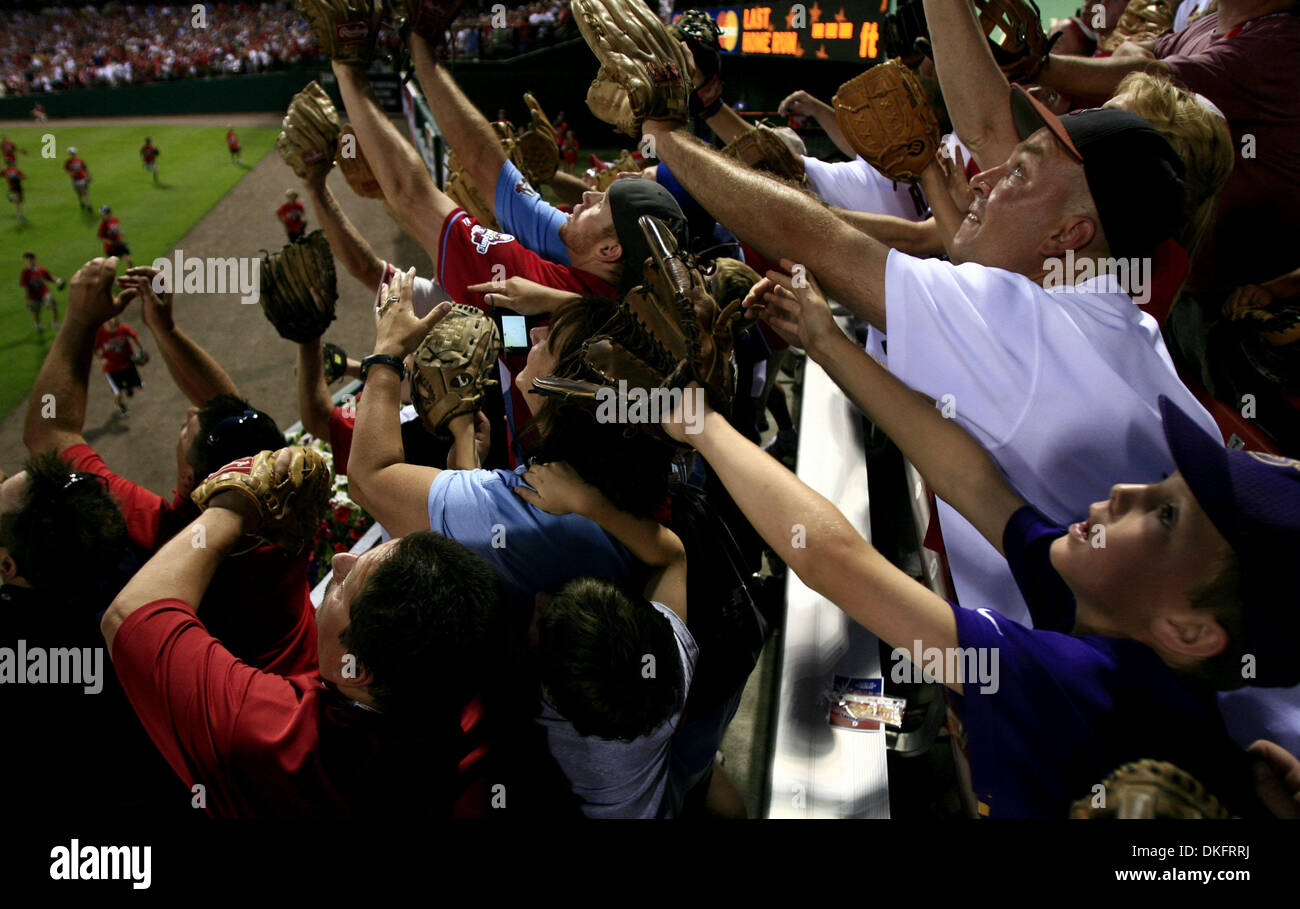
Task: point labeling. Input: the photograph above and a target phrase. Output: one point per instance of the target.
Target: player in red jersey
(110, 232)
(33, 279)
(149, 154)
(115, 344)
(232, 143)
(80, 175)
(15, 179)
(291, 216)
(10, 151)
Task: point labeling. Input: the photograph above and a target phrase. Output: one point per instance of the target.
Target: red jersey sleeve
(143, 510)
(341, 427)
(45, 274)
(468, 253)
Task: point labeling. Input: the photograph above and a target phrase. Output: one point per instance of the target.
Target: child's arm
(557, 489)
(955, 465)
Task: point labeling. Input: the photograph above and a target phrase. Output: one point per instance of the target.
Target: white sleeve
(968, 331)
(857, 186)
(425, 295)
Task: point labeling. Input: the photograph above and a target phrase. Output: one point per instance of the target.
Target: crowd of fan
(526, 27)
(559, 623)
(80, 47)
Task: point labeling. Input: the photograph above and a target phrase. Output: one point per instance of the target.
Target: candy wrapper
(862, 705)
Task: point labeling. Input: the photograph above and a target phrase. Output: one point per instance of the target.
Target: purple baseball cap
(1253, 499)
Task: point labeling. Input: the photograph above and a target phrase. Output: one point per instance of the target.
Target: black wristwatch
(383, 360)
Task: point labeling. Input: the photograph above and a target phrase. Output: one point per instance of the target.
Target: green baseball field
(194, 170)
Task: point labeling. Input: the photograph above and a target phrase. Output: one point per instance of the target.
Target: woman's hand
(557, 489)
(397, 330)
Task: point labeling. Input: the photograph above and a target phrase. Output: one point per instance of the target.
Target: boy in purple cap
(1165, 594)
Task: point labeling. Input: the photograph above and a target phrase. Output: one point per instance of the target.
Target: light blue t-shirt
(529, 218)
(531, 550)
(622, 779)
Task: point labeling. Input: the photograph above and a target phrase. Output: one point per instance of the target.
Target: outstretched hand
(150, 284)
(557, 489)
(91, 295)
(397, 329)
(792, 303)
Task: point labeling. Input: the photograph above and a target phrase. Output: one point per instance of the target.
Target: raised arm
(974, 89)
(418, 204)
(394, 492)
(314, 401)
(349, 247)
(199, 377)
(557, 489)
(463, 126)
(850, 264)
(819, 544)
(802, 104)
(1093, 80)
(56, 407)
(916, 238)
(955, 465)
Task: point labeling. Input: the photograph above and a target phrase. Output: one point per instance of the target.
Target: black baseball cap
(1253, 499)
(629, 199)
(1133, 173)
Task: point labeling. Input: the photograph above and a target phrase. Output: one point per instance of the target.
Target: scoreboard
(848, 30)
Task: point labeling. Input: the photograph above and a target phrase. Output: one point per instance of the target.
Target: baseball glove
(535, 151)
(309, 133)
(670, 331)
(453, 366)
(1022, 46)
(427, 18)
(700, 33)
(764, 148)
(1142, 20)
(344, 29)
(141, 357)
(460, 187)
(335, 361)
(289, 508)
(625, 164)
(298, 288)
(61, 283)
(356, 170)
(643, 70)
(1150, 789)
(885, 117)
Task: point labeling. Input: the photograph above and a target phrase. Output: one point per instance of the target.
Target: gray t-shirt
(621, 779)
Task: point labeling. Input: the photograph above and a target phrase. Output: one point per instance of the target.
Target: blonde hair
(1197, 134)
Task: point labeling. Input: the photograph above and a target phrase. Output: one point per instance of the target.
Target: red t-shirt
(10, 152)
(258, 603)
(290, 214)
(1251, 74)
(232, 141)
(149, 153)
(265, 745)
(467, 252)
(76, 169)
(113, 346)
(15, 178)
(33, 279)
(1169, 269)
(110, 232)
(342, 424)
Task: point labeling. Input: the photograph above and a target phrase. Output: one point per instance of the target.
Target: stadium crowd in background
(564, 605)
(527, 27)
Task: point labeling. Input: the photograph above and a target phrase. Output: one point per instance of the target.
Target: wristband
(383, 360)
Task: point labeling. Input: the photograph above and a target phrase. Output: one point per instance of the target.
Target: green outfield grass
(194, 170)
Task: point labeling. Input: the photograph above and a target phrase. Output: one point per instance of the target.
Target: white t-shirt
(857, 186)
(1060, 386)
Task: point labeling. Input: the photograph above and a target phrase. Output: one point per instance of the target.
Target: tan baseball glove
(764, 148)
(309, 133)
(289, 507)
(625, 164)
(643, 72)
(454, 366)
(462, 190)
(886, 118)
(1142, 20)
(356, 170)
(344, 29)
(535, 151)
(1149, 789)
(299, 288)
